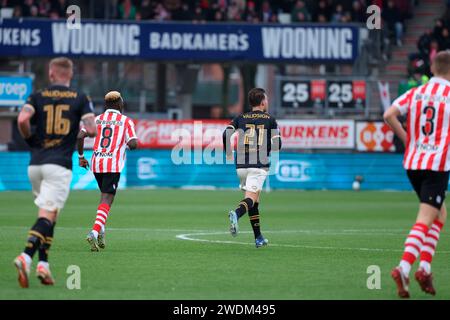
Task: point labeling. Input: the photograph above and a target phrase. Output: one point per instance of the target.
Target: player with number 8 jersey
(115, 133)
(114, 130)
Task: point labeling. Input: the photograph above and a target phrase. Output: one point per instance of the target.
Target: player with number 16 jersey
(115, 133)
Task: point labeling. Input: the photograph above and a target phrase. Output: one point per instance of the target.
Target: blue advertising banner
(181, 41)
(14, 174)
(155, 168)
(14, 90)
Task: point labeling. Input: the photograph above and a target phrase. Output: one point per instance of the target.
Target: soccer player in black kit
(49, 122)
(258, 136)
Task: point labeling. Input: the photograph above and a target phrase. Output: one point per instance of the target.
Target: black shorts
(430, 186)
(108, 182)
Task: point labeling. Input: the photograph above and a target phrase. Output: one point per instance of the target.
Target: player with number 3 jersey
(427, 164)
(115, 133)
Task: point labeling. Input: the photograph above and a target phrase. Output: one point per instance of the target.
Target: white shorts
(50, 184)
(252, 179)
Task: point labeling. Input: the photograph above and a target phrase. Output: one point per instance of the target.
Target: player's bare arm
(89, 124)
(391, 118)
(132, 144)
(226, 136)
(82, 162)
(23, 120)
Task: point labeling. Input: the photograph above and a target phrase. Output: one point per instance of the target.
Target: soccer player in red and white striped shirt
(115, 133)
(427, 162)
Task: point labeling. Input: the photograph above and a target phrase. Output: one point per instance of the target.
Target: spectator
(161, 13)
(322, 13)
(234, 12)
(437, 31)
(26, 8)
(338, 13)
(394, 21)
(423, 44)
(274, 18)
(198, 15)
(417, 79)
(34, 12)
(60, 7)
(182, 13)
(346, 17)
(44, 8)
(17, 13)
(147, 10)
(434, 49)
(300, 12)
(53, 15)
(444, 41)
(219, 16)
(266, 12)
(250, 14)
(127, 10)
(358, 12)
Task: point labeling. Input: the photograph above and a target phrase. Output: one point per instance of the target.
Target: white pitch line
(189, 237)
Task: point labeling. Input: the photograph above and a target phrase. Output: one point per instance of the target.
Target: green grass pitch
(321, 244)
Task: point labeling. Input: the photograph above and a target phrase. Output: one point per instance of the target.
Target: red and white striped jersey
(114, 130)
(428, 123)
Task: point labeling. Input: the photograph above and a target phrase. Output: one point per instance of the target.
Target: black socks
(254, 220)
(37, 235)
(45, 247)
(244, 206)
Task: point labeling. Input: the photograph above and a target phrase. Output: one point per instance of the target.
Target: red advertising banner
(296, 134)
(318, 134)
(169, 133)
(374, 136)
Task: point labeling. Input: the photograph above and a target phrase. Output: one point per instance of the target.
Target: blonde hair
(62, 62)
(114, 100)
(112, 96)
(441, 63)
(62, 66)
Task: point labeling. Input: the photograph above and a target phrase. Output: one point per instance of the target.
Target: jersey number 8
(106, 137)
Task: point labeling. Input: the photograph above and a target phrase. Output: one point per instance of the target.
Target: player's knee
(49, 215)
(427, 213)
(107, 198)
(249, 203)
(252, 195)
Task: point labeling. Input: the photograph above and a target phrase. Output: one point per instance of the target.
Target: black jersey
(257, 135)
(58, 112)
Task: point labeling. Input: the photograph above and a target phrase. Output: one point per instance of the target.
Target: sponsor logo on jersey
(59, 94)
(98, 154)
(426, 147)
(109, 122)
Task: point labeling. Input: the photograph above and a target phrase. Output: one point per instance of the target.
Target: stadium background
(329, 79)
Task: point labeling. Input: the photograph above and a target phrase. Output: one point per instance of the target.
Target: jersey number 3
(430, 113)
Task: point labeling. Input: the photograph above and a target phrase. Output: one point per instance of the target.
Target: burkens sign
(181, 41)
